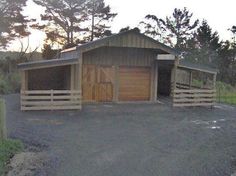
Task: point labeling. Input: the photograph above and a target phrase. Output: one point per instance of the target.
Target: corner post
(80, 76)
(116, 84)
(174, 75)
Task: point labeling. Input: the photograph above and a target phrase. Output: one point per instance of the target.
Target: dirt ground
(128, 139)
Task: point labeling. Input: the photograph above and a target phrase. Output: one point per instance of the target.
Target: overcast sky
(220, 14)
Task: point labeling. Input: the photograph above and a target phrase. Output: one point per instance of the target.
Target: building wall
(56, 78)
(115, 57)
(120, 56)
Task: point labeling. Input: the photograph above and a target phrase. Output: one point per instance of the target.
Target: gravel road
(128, 139)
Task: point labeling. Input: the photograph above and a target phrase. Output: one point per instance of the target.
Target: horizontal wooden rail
(50, 99)
(193, 97)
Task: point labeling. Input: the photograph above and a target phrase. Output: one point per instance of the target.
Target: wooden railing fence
(50, 100)
(193, 97)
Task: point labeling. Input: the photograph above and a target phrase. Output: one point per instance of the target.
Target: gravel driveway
(129, 139)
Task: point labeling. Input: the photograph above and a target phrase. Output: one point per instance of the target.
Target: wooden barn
(128, 66)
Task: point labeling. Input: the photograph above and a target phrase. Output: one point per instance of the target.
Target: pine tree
(174, 30)
(63, 19)
(99, 15)
(71, 22)
(12, 23)
(208, 43)
(180, 26)
(154, 27)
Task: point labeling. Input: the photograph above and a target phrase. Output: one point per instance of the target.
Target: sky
(220, 15)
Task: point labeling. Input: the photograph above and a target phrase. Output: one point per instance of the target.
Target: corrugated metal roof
(47, 63)
(106, 41)
(196, 66)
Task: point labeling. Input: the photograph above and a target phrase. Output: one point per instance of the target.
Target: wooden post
(24, 80)
(116, 84)
(51, 99)
(152, 81)
(3, 131)
(155, 81)
(80, 77)
(76, 82)
(214, 81)
(173, 75)
(190, 79)
(72, 77)
(24, 84)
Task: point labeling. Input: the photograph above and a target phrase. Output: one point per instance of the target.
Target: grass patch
(225, 93)
(8, 148)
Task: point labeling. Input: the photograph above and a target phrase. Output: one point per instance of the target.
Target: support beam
(214, 81)
(152, 81)
(155, 81)
(24, 80)
(190, 79)
(174, 75)
(116, 84)
(72, 77)
(80, 80)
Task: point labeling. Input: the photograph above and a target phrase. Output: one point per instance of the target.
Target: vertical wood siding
(119, 56)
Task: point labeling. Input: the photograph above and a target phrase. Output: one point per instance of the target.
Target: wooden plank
(46, 103)
(193, 95)
(185, 100)
(192, 104)
(51, 108)
(49, 91)
(24, 97)
(194, 91)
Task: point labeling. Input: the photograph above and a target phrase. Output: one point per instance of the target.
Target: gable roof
(131, 38)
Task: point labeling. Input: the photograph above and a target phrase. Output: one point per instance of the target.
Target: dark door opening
(164, 82)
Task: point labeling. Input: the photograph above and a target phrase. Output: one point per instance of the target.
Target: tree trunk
(71, 32)
(92, 30)
(68, 37)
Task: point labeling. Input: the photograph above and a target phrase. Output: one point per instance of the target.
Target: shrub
(224, 87)
(4, 85)
(10, 83)
(14, 82)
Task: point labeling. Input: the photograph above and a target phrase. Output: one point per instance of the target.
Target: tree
(180, 26)
(204, 46)
(209, 43)
(227, 63)
(233, 30)
(12, 23)
(63, 20)
(48, 52)
(99, 15)
(71, 22)
(173, 30)
(154, 27)
(124, 29)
